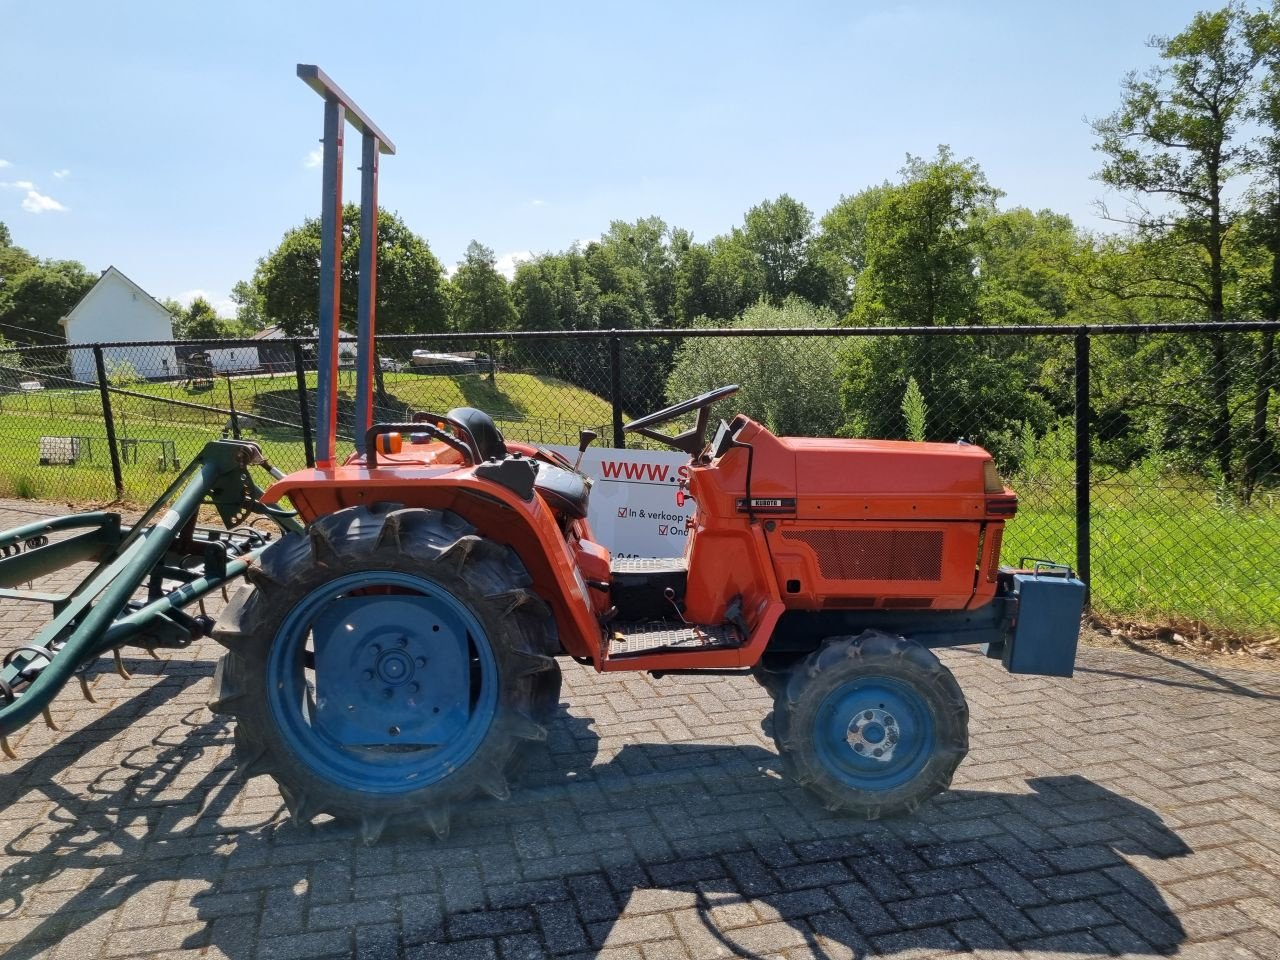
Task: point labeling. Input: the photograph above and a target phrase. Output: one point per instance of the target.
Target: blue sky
(172, 139)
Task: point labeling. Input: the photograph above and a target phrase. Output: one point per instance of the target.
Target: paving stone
(346, 915)
(1064, 917)
(462, 950)
(174, 936)
(561, 929)
(489, 923)
(305, 946)
(931, 911)
(130, 836)
(627, 930)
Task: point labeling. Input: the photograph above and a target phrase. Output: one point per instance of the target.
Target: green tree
(735, 278)
(250, 313)
(921, 243)
(13, 260)
(534, 298)
(786, 381)
(410, 293)
(780, 234)
(648, 251)
(1173, 147)
(34, 300)
(479, 299)
(842, 244)
(1026, 261)
(1262, 452)
(693, 296)
(915, 411)
(922, 247)
(198, 322)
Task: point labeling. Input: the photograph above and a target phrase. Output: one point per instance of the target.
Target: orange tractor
(397, 650)
(397, 656)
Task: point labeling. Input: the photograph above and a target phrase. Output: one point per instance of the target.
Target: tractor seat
(485, 432)
(563, 490)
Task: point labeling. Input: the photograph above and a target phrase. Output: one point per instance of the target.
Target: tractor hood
(834, 479)
(879, 479)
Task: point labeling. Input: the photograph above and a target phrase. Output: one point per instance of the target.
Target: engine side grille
(874, 554)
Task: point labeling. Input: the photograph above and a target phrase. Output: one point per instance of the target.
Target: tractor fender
(497, 512)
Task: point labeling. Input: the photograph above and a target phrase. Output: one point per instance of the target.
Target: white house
(116, 309)
(233, 359)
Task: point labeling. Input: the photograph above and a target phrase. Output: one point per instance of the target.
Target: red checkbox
(622, 512)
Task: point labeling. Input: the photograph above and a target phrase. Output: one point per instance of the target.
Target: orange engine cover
(852, 524)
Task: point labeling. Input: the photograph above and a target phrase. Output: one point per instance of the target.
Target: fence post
(109, 420)
(231, 405)
(1084, 457)
(300, 371)
(615, 384)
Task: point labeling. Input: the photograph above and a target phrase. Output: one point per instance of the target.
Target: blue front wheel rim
(874, 733)
(293, 680)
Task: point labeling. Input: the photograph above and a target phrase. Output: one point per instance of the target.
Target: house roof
(275, 333)
(111, 271)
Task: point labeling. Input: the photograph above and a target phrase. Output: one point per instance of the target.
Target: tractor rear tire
(389, 590)
(873, 725)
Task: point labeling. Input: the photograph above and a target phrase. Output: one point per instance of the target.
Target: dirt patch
(1188, 641)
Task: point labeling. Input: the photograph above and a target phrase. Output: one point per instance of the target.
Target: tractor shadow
(702, 842)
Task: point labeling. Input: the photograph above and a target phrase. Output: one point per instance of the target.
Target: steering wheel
(693, 440)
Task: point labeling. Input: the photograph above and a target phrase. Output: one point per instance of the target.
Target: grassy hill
(526, 407)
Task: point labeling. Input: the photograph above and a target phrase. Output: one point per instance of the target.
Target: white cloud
(5, 163)
(314, 158)
(61, 174)
(537, 203)
(34, 201)
(506, 264)
(223, 306)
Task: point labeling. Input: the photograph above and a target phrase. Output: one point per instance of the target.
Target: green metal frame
(101, 613)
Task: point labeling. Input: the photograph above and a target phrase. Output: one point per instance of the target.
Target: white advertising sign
(633, 502)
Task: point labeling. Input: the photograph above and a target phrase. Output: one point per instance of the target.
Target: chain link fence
(1149, 458)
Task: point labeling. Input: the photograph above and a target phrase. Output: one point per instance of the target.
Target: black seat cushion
(563, 490)
(486, 433)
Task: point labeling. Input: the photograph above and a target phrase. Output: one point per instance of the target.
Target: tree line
(1192, 149)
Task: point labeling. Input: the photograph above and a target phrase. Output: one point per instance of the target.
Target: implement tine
(48, 719)
(84, 688)
(115, 654)
(8, 750)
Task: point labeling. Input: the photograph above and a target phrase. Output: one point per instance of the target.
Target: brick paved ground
(1134, 810)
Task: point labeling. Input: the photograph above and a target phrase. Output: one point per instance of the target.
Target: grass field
(1163, 552)
(1158, 551)
(526, 407)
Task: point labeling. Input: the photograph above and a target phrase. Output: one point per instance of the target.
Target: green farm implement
(139, 577)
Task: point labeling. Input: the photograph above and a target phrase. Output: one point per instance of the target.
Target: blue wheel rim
(306, 699)
(875, 714)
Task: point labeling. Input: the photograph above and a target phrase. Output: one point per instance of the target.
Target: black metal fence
(1148, 457)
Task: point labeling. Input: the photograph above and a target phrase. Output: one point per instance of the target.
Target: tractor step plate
(629, 639)
(650, 565)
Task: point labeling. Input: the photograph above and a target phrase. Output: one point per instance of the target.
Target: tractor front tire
(873, 725)
(385, 667)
